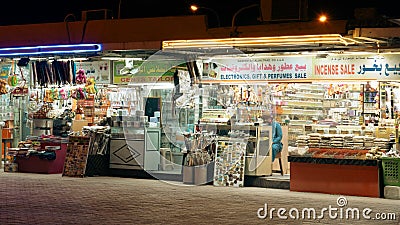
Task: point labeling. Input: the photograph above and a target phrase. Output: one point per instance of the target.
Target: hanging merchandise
(80, 77)
(90, 87)
(12, 80)
(3, 87)
(78, 93)
(12, 77)
(42, 75)
(63, 94)
(48, 96)
(22, 88)
(55, 73)
(54, 93)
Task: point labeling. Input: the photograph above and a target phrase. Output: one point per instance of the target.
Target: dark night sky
(33, 12)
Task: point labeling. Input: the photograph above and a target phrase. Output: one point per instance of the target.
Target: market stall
(42, 155)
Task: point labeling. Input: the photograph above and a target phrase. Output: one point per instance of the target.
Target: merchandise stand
(51, 163)
(336, 176)
(76, 156)
(98, 154)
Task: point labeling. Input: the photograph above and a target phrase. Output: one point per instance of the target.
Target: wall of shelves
(302, 104)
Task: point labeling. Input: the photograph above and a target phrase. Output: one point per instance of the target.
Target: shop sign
(306, 68)
(357, 67)
(265, 69)
(144, 72)
(99, 70)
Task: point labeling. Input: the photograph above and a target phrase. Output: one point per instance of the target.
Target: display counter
(136, 148)
(355, 177)
(51, 161)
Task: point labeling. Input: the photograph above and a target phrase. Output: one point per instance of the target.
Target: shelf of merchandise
(370, 109)
(346, 109)
(370, 103)
(100, 109)
(389, 99)
(88, 108)
(300, 103)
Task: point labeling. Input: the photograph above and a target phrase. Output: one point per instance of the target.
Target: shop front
(201, 117)
(340, 110)
(69, 98)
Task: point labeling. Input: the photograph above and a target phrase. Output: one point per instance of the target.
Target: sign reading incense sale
(335, 69)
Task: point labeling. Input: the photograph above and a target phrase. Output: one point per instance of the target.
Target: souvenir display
(3, 87)
(76, 156)
(230, 164)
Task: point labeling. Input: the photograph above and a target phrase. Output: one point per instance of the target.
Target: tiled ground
(52, 199)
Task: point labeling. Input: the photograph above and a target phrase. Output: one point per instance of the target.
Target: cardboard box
(77, 125)
(384, 132)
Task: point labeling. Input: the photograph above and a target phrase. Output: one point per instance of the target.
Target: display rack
(230, 163)
(344, 105)
(76, 156)
(300, 104)
(389, 99)
(370, 104)
(88, 108)
(42, 127)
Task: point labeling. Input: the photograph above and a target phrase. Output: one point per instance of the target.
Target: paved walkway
(52, 199)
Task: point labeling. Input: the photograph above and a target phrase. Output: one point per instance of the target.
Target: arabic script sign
(272, 68)
(343, 67)
(145, 72)
(380, 67)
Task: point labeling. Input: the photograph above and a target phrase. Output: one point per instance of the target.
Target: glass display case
(258, 150)
(133, 145)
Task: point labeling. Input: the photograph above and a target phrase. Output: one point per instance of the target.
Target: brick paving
(52, 199)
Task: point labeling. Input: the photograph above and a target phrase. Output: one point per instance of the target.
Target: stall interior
(337, 117)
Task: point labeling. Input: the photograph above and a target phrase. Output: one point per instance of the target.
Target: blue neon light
(50, 49)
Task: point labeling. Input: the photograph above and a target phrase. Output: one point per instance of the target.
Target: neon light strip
(262, 41)
(50, 49)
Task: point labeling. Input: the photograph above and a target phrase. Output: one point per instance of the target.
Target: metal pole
(233, 26)
(119, 9)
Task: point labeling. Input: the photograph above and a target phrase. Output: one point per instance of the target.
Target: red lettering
(347, 69)
(317, 69)
(335, 69)
(327, 69)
